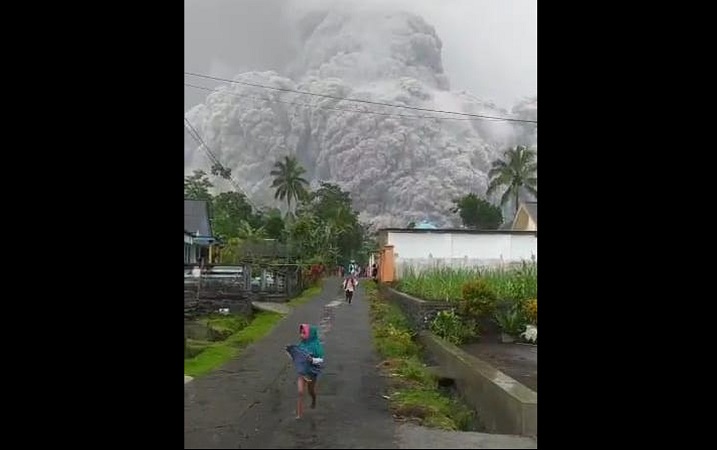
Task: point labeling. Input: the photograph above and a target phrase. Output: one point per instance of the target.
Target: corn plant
(446, 284)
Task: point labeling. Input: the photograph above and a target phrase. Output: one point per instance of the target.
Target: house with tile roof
(198, 238)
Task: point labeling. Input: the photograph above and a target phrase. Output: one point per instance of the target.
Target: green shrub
(220, 327)
(413, 370)
(451, 327)
(520, 284)
(433, 409)
(379, 309)
(395, 317)
(414, 389)
(530, 309)
(479, 299)
(512, 321)
(392, 342)
(194, 347)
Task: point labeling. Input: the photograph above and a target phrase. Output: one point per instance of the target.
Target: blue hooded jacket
(307, 347)
(312, 345)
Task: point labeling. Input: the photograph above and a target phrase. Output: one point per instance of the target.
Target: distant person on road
(353, 268)
(349, 287)
(374, 272)
(311, 349)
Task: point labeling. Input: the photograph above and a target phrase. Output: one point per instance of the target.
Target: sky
(489, 46)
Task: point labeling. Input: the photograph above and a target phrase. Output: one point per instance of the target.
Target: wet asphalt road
(250, 402)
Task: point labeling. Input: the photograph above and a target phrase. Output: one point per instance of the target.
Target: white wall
(426, 249)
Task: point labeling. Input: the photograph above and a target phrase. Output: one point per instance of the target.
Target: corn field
(445, 284)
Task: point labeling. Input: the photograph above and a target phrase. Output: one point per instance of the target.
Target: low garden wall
(503, 404)
(212, 298)
(420, 313)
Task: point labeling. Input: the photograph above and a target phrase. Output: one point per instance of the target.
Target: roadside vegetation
(414, 393)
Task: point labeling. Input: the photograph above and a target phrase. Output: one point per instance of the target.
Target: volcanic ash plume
(398, 169)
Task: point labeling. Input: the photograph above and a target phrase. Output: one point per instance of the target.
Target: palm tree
(518, 172)
(288, 181)
(342, 219)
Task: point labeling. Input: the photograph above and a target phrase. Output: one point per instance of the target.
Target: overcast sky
(489, 46)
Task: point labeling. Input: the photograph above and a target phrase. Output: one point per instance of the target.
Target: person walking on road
(353, 268)
(349, 287)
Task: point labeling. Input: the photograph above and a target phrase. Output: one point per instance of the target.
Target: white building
(423, 248)
(191, 251)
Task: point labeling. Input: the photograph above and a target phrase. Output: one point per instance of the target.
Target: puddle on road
(327, 317)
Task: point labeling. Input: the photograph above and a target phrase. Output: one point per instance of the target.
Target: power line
(415, 108)
(308, 105)
(195, 134)
(216, 162)
(212, 157)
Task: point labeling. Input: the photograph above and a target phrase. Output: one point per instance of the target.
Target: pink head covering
(304, 329)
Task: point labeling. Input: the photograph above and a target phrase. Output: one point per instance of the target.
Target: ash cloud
(397, 169)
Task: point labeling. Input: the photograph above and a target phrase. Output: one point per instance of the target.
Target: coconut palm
(517, 172)
(288, 181)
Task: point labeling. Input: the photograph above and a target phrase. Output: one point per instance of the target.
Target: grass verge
(305, 296)
(238, 333)
(414, 393)
(225, 326)
(217, 353)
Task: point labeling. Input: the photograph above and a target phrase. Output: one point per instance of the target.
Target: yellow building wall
(523, 222)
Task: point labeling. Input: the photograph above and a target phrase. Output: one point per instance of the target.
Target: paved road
(250, 402)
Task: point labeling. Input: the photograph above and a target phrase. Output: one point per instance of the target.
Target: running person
(349, 287)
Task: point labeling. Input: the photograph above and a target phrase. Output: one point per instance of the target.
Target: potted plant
(510, 322)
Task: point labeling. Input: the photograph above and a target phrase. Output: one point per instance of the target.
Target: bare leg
(299, 406)
(312, 392)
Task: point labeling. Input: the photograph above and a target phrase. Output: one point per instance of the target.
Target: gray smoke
(398, 169)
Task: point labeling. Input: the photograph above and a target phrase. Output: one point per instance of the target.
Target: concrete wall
(420, 313)
(421, 250)
(210, 300)
(235, 287)
(503, 404)
(209, 293)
